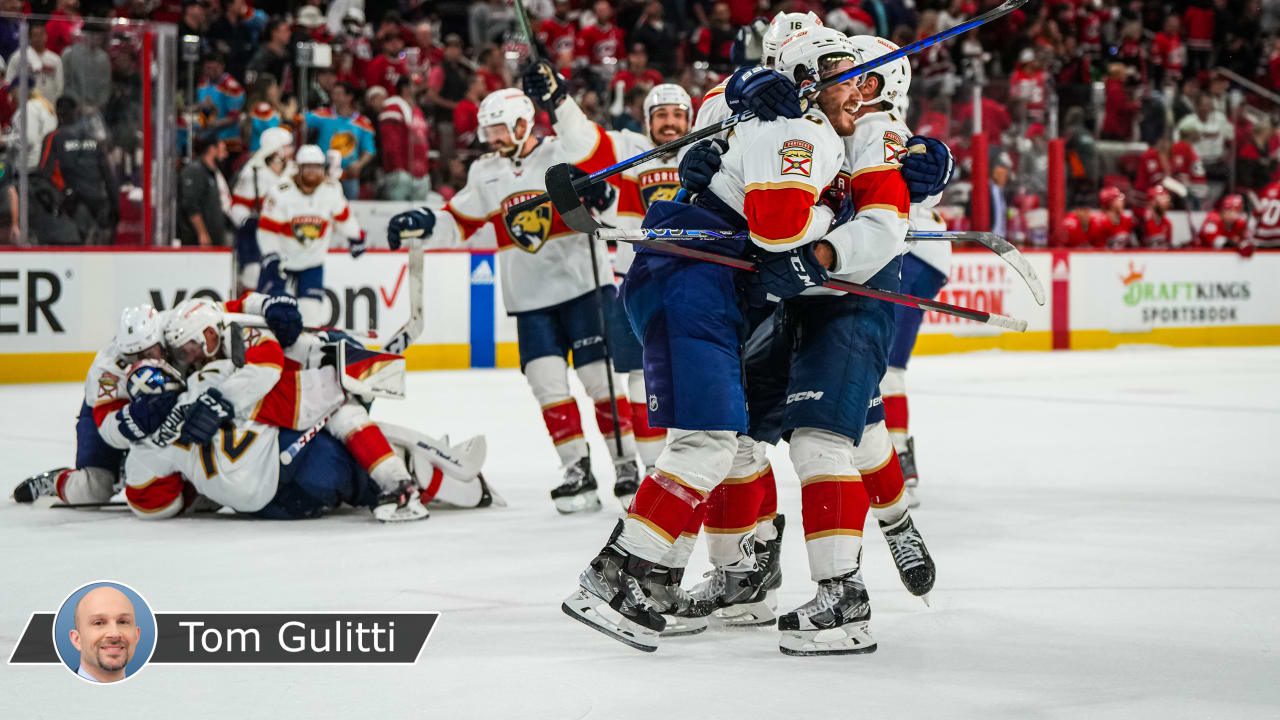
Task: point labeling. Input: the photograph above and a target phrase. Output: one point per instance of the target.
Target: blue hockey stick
(706, 132)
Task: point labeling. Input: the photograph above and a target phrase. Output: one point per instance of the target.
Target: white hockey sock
(595, 379)
(87, 485)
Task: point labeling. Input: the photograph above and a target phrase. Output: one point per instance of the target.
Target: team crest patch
(658, 185)
(895, 148)
(308, 228)
(530, 229)
(797, 158)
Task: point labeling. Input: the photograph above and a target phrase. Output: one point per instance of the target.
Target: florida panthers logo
(658, 185)
(307, 228)
(530, 229)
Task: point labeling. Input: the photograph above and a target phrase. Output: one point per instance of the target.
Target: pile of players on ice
(233, 405)
(720, 363)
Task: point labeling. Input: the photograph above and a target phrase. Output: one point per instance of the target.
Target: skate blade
(683, 626)
(489, 497)
(851, 639)
(596, 614)
(746, 615)
(925, 599)
(409, 513)
(583, 502)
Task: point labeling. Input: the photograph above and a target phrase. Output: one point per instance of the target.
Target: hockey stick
(537, 51)
(288, 454)
(88, 506)
(246, 320)
(412, 327)
(604, 334)
(566, 201)
(995, 244)
(667, 148)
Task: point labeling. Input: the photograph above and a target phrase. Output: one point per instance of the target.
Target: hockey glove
(144, 415)
(209, 412)
(357, 245)
(271, 279)
(597, 196)
(927, 173)
(420, 222)
(283, 318)
(765, 92)
(700, 164)
(787, 274)
(544, 86)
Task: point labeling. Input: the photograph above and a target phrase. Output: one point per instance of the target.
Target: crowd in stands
(1139, 91)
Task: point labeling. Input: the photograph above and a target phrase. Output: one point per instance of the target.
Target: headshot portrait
(104, 632)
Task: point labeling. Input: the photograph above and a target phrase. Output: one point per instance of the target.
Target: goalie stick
(566, 201)
(412, 328)
(711, 130)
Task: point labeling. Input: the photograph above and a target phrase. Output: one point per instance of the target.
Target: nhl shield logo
(528, 230)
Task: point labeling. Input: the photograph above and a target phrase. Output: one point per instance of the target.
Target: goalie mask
(507, 108)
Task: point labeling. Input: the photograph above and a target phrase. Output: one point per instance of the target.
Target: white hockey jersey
(714, 108)
(298, 226)
(638, 187)
(877, 232)
(773, 174)
(105, 393)
(239, 468)
(544, 262)
(252, 184)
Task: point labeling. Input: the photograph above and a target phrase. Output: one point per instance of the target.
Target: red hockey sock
(895, 413)
(834, 509)
(768, 494)
(885, 483)
(665, 505)
(734, 505)
(369, 447)
(564, 424)
(604, 417)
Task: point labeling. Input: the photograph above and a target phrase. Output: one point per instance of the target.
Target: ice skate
(769, 557)
(578, 491)
(674, 602)
(488, 496)
(611, 599)
(37, 486)
(627, 483)
(736, 593)
(400, 505)
(915, 566)
(907, 459)
(835, 622)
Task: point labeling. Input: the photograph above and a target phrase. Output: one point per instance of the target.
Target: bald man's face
(105, 633)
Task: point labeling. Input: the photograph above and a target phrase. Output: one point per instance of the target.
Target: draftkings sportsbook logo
(1183, 301)
(530, 229)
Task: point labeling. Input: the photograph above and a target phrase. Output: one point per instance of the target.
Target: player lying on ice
(289, 391)
(688, 314)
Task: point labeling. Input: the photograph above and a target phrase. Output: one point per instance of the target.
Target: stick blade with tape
(564, 198)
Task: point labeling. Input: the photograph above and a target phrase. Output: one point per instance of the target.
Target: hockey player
(1156, 230)
(1112, 225)
(298, 218)
(668, 112)
(1227, 228)
(270, 167)
(197, 334)
(240, 467)
(547, 283)
(687, 314)
(1266, 217)
(110, 423)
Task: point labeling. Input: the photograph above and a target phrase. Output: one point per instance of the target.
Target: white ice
(1106, 528)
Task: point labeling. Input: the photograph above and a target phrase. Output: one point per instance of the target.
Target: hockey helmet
(506, 107)
(1155, 191)
(1233, 202)
(667, 94)
(807, 53)
(895, 76)
(1108, 195)
(310, 155)
(783, 26)
(141, 327)
(187, 324)
(273, 140)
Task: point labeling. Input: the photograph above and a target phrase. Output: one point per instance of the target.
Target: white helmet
(811, 49)
(506, 107)
(667, 94)
(190, 318)
(900, 107)
(273, 140)
(140, 328)
(895, 76)
(309, 155)
(782, 26)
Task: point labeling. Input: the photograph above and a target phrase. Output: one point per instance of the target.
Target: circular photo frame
(104, 632)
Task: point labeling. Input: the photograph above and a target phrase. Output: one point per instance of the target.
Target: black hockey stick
(559, 179)
(711, 130)
(88, 506)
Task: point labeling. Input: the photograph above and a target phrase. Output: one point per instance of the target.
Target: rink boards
(57, 307)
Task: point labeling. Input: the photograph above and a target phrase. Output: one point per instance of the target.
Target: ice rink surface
(1105, 524)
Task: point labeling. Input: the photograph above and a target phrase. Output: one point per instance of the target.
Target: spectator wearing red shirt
(603, 39)
(466, 116)
(637, 71)
(386, 69)
(714, 43)
(1227, 228)
(1156, 230)
(995, 119)
(558, 33)
(1120, 107)
(402, 130)
(63, 28)
(1029, 83)
(1169, 159)
(1168, 54)
(1112, 226)
(1266, 230)
(493, 69)
(1075, 229)
(1198, 20)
